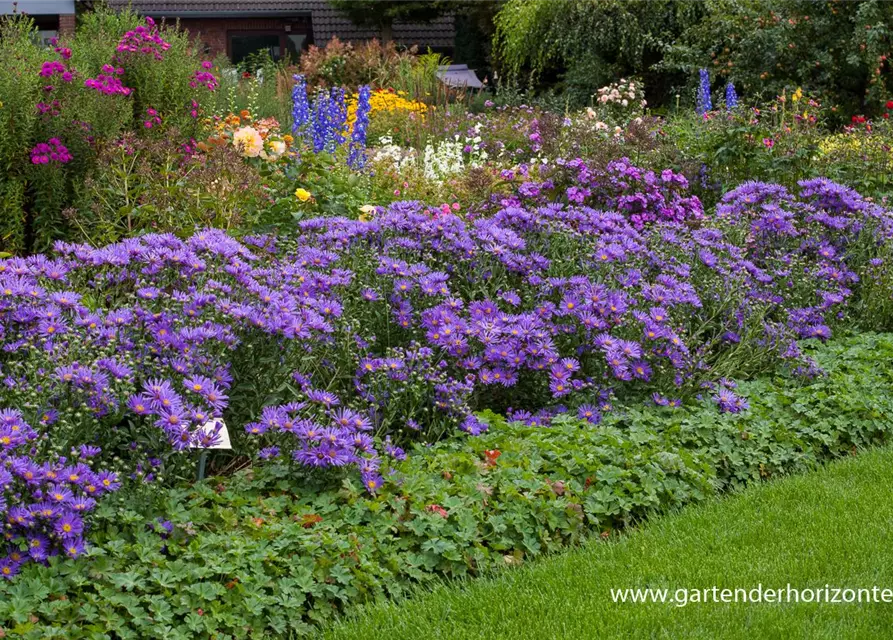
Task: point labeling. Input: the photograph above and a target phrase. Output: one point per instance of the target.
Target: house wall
(213, 31)
(66, 24)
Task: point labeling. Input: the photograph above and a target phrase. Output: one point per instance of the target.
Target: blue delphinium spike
(704, 103)
(731, 97)
(356, 157)
(300, 109)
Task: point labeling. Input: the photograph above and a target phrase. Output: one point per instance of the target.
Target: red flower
(310, 519)
(491, 455)
(890, 104)
(436, 508)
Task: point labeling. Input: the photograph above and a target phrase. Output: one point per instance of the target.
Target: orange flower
(310, 519)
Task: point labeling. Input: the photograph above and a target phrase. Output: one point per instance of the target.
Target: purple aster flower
(69, 525)
(589, 413)
(372, 481)
(9, 568)
(268, 453)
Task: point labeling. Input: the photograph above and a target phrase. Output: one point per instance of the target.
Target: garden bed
(436, 334)
(263, 553)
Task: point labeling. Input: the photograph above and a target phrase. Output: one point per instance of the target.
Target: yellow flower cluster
(386, 100)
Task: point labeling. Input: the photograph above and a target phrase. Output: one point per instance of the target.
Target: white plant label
(223, 435)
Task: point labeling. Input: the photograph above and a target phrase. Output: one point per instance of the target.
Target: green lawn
(833, 526)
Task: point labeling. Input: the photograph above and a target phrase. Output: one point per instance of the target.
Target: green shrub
(260, 554)
(151, 184)
(588, 43)
(20, 89)
(777, 142)
(836, 49)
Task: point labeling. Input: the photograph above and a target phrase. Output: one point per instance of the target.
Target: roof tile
(327, 21)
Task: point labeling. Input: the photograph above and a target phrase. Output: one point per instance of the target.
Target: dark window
(277, 44)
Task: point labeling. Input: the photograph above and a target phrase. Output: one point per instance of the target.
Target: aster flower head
(325, 398)
(9, 568)
(69, 525)
(372, 481)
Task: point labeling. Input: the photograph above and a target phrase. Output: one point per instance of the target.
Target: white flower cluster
(438, 161)
(623, 93)
(400, 158)
(620, 101)
(444, 160)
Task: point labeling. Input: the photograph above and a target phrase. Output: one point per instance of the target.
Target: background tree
(475, 27)
(381, 14)
(838, 51)
(581, 45)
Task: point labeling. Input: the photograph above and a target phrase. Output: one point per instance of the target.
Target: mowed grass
(832, 526)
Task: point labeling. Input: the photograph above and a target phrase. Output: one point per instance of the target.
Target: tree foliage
(838, 50)
(381, 14)
(586, 43)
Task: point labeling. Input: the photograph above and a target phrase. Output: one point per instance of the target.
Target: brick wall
(213, 31)
(66, 24)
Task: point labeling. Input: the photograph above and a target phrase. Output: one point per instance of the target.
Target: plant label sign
(223, 441)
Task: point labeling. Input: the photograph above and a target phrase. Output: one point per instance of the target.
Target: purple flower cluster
(43, 504)
(731, 97)
(108, 82)
(644, 197)
(153, 118)
(321, 434)
(144, 40)
(51, 151)
(300, 105)
(203, 77)
(398, 329)
(482, 298)
(53, 68)
(328, 120)
(49, 108)
(704, 102)
(155, 359)
(323, 124)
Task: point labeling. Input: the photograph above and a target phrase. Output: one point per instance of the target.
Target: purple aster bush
(507, 317)
(44, 499)
(814, 250)
(339, 347)
(644, 197)
(136, 364)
